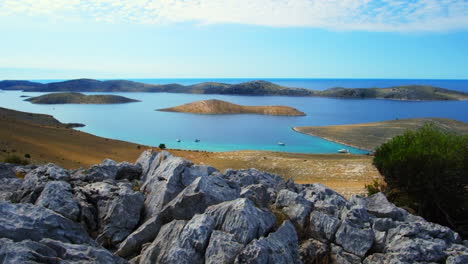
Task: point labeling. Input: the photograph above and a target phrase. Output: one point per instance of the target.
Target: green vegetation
(27, 156)
(162, 146)
(78, 98)
(14, 159)
(427, 170)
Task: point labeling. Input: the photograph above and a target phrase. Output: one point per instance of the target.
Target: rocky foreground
(164, 209)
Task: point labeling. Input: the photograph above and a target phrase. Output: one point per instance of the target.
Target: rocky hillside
(164, 209)
(222, 107)
(78, 98)
(259, 87)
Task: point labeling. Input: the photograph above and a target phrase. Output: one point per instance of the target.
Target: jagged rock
(193, 172)
(147, 232)
(107, 170)
(313, 251)
(241, 218)
(7, 171)
(296, 207)
(457, 254)
(257, 193)
(57, 197)
(355, 234)
(53, 251)
(147, 163)
(36, 179)
(222, 248)
(129, 171)
(279, 247)
(118, 209)
(201, 193)
(379, 206)
(325, 199)
(273, 183)
(457, 259)
(339, 256)
(8, 187)
(166, 239)
(164, 183)
(323, 226)
(27, 221)
(416, 249)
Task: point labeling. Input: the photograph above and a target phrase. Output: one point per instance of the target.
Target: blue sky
(56, 39)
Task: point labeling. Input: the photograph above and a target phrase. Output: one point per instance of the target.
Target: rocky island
(165, 209)
(369, 136)
(78, 98)
(258, 88)
(214, 106)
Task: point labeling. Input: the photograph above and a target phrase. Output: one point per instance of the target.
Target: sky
(115, 39)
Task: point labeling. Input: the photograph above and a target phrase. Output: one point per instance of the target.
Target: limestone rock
(325, 199)
(355, 234)
(222, 248)
(257, 193)
(339, 256)
(8, 187)
(57, 197)
(7, 171)
(27, 221)
(279, 247)
(296, 207)
(312, 251)
(241, 218)
(323, 226)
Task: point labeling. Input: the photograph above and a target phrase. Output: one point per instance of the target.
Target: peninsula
(214, 106)
(259, 87)
(369, 136)
(78, 98)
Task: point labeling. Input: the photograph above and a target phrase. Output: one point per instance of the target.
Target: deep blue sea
(138, 122)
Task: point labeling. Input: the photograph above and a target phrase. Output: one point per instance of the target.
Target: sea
(140, 123)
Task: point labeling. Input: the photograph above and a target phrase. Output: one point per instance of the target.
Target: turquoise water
(138, 122)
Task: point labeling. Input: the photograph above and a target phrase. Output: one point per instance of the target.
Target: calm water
(138, 122)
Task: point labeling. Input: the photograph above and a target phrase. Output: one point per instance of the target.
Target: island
(78, 98)
(257, 88)
(214, 106)
(369, 136)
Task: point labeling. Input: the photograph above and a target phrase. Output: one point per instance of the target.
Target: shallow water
(138, 122)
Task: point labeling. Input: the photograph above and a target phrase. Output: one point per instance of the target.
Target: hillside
(8, 115)
(78, 98)
(408, 92)
(222, 107)
(371, 135)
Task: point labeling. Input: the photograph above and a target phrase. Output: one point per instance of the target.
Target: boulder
(323, 226)
(107, 170)
(279, 247)
(147, 163)
(273, 183)
(8, 187)
(57, 196)
(7, 171)
(165, 240)
(379, 206)
(339, 256)
(325, 199)
(27, 221)
(53, 251)
(257, 193)
(296, 207)
(241, 218)
(35, 181)
(164, 183)
(129, 171)
(355, 234)
(314, 251)
(222, 248)
(201, 193)
(147, 232)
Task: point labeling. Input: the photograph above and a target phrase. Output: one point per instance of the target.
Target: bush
(428, 168)
(27, 156)
(162, 146)
(14, 159)
(376, 186)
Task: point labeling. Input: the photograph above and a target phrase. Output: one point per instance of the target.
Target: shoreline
(332, 140)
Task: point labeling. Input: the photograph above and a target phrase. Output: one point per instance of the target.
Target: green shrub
(162, 146)
(376, 186)
(14, 159)
(430, 168)
(27, 156)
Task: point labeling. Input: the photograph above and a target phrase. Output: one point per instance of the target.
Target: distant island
(214, 106)
(407, 92)
(78, 98)
(369, 136)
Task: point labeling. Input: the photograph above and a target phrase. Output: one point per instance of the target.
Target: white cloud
(370, 15)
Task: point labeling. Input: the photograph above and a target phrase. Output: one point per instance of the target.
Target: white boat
(178, 140)
(197, 140)
(281, 143)
(343, 151)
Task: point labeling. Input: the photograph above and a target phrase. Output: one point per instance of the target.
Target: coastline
(332, 140)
